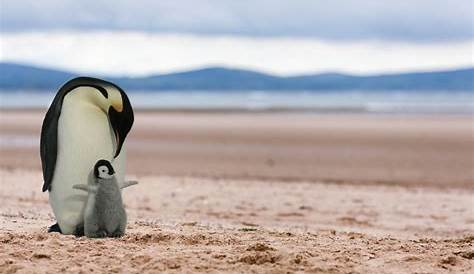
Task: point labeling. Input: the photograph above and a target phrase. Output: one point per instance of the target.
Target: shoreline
(272, 110)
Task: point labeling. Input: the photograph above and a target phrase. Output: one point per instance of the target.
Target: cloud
(394, 20)
(138, 53)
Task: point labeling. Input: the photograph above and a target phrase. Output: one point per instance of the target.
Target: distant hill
(15, 76)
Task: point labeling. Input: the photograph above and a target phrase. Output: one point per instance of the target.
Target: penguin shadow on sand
(104, 212)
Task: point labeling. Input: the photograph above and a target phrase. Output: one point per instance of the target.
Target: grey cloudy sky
(125, 37)
(391, 20)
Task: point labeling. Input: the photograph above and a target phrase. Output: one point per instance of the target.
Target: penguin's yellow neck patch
(115, 99)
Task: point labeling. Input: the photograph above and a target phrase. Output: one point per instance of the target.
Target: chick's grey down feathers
(104, 214)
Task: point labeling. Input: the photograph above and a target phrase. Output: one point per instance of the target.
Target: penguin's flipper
(55, 228)
(87, 188)
(81, 187)
(127, 184)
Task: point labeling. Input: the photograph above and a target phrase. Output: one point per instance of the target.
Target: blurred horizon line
(15, 76)
(198, 68)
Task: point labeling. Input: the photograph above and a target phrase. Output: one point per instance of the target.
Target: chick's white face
(104, 172)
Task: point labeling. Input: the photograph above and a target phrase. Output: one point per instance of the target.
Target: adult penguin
(88, 120)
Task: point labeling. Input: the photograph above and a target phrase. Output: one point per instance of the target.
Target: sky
(280, 37)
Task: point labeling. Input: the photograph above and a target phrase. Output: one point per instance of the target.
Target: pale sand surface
(264, 193)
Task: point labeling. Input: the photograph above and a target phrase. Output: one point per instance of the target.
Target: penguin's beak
(121, 119)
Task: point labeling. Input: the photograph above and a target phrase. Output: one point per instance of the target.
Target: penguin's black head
(103, 169)
(121, 119)
(109, 98)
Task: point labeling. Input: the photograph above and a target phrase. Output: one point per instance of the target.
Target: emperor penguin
(89, 119)
(104, 214)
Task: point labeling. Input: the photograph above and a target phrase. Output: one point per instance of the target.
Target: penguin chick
(104, 214)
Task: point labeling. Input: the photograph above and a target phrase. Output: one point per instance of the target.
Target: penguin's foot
(117, 234)
(79, 232)
(54, 228)
(97, 234)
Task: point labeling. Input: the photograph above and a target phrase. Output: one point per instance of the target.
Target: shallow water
(334, 101)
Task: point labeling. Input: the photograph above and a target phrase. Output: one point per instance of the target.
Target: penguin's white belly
(84, 137)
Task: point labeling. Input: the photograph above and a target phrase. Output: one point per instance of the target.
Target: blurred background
(358, 56)
(345, 91)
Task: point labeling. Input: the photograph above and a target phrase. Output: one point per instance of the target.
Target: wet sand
(367, 149)
(266, 192)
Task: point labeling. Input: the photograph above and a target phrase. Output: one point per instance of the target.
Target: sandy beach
(260, 193)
